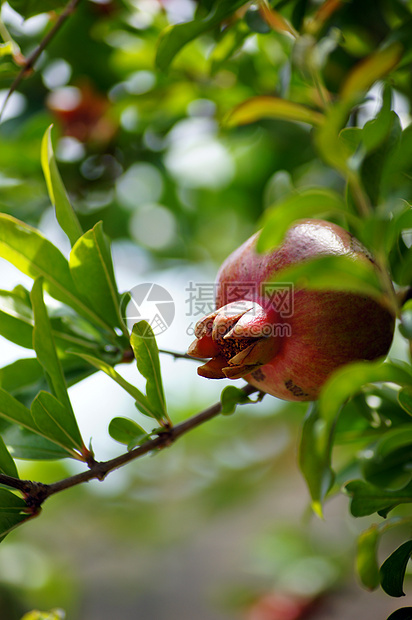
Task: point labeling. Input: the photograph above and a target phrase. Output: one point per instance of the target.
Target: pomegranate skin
(289, 351)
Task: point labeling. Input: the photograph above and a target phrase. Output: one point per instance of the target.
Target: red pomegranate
(287, 342)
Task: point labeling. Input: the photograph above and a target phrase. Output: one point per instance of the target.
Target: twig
(35, 493)
(183, 356)
(31, 60)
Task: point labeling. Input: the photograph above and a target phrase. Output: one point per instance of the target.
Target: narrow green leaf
(174, 38)
(13, 511)
(406, 320)
(92, 271)
(375, 131)
(141, 400)
(64, 211)
(56, 422)
(146, 353)
(388, 462)
(126, 431)
(35, 256)
(405, 399)
(43, 344)
(27, 445)
(16, 320)
(230, 397)
(305, 204)
(7, 464)
(315, 455)
(392, 571)
(261, 107)
(366, 558)
(368, 498)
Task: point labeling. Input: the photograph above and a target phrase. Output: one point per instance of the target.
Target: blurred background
(219, 526)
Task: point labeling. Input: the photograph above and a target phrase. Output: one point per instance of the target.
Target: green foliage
(263, 92)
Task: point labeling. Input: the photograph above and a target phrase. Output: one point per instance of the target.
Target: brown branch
(34, 56)
(35, 493)
(183, 356)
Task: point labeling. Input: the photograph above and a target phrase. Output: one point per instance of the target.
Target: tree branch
(35, 493)
(34, 56)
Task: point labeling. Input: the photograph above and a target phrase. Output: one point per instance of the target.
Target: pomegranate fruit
(286, 341)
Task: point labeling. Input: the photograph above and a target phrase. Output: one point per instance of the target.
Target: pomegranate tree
(288, 341)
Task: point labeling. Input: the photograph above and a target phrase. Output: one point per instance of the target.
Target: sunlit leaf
(16, 320)
(58, 196)
(275, 20)
(366, 558)
(146, 353)
(392, 571)
(126, 431)
(174, 38)
(56, 422)
(92, 270)
(305, 204)
(7, 464)
(35, 256)
(261, 107)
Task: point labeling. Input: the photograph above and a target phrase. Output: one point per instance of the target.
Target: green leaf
(141, 400)
(314, 457)
(368, 498)
(230, 397)
(305, 204)
(366, 558)
(64, 211)
(126, 431)
(7, 464)
(406, 320)
(334, 273)
(43, 344)
(405, 400)
(13, 511)
(27, 445)
(174, 38)
(16, 320)
(375, 131)
(388, 463)
(146, 353)
(392, 571)
(54, 421)
(92, 270)
(232, 39)
(404, 613)
(29, 8)
(262, 107)
(35, 256)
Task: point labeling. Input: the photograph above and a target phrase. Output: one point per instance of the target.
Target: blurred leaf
(368, 71)
(404, 613)
(302, 205)
(35, 256)
(351, 137)
(146, 353)
(12, 512)
(405, 400)
(92, 270)
(275, 20)
(258, 108)
(406, 320)
(55, 422)
(376, 130)
(366, 558)
(126, 431)
(333, 273)
(231, 40)
(43, 344)
(314, 457)
(142, 402)
(29, 8)
(58, 196)
(176, 37)
(367, 498)
(44, 615)
(230, 397)
(255, 21)
(392, 571)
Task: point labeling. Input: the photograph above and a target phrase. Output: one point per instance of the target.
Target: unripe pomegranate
(287, 342)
